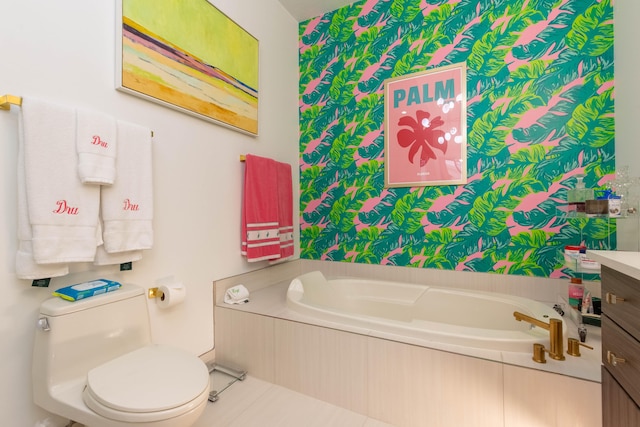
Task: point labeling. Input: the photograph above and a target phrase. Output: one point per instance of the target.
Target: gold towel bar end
(6, 101)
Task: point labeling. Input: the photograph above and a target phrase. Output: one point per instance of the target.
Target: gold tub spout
(556, 342)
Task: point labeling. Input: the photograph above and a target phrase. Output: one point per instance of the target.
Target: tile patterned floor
(254, 402)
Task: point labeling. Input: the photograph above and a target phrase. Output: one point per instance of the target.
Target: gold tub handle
(573, 347)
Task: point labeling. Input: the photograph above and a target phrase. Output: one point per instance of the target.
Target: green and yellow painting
(190, 56)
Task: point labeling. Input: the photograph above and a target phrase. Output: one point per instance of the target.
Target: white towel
(236, 295)
(26, 267)
(63, 213)
(105, 258)
(127, 205)
(96, 146)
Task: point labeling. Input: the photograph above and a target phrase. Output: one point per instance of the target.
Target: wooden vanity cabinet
(620, 349)
(618, 409)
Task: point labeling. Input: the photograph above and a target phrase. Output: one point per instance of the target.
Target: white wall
(64, 51)
(627, 100)
(627, 90)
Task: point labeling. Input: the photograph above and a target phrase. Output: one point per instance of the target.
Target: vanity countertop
(625, 262)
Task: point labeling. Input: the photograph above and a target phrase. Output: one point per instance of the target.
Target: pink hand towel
(260, 218)
(285, 209)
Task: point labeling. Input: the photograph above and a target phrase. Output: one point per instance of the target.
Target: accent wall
(540, 110)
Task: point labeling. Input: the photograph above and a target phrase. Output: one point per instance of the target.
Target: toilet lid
(150, 379)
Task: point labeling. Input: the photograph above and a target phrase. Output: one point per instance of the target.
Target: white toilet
(94, 363)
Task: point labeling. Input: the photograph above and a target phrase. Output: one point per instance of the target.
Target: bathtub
(446, 315)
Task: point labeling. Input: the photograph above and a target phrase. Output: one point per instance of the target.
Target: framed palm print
(425, 118)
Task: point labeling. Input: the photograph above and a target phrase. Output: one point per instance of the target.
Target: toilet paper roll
(172, 295)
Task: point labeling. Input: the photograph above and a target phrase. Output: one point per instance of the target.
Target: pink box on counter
(576, 292)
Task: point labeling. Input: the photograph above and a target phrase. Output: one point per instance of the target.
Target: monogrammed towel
(26, 267)
(96, 146)
(63, 212)
(105, 258)
(127, 205)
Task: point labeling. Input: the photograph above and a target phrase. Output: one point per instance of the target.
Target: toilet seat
(152, 383)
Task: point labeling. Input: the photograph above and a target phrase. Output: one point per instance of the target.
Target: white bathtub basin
(453, 316)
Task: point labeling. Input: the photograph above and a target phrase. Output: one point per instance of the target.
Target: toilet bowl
(94, 363)
(144, 386)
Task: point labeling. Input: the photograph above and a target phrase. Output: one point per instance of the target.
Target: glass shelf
(579, 266)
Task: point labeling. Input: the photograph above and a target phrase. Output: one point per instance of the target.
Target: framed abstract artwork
(189, 56)
(425, 118)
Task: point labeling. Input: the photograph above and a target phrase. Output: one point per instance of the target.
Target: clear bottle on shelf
(577, 197)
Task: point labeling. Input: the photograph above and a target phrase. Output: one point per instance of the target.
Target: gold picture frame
(189, 56)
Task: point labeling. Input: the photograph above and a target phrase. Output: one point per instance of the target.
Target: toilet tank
(86, 333)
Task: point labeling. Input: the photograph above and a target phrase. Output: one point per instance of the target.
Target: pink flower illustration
(422, 135)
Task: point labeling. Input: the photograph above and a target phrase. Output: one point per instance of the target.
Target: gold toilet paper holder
(155, 293)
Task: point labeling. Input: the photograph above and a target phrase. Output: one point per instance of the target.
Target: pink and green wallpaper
(540, 110)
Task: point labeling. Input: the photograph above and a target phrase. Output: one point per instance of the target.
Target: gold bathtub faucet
(556, 345)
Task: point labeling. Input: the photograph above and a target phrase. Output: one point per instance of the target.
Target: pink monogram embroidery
(64, 209)
(97, 141)
(128, 206)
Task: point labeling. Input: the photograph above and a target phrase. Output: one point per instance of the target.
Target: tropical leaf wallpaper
(540, 110)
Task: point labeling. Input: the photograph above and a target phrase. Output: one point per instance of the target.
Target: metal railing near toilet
(233, 374)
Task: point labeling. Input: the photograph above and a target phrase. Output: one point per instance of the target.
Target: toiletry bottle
(582, 332)
(576, 292)
(587, 193)
(586, 302)
(578, 196)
